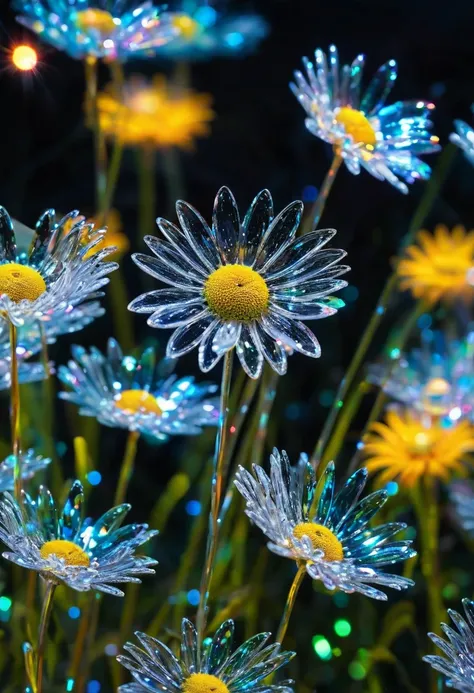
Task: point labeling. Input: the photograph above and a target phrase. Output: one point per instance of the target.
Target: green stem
(126, 469)
(121, 318)
(42, 633)
(15, 412)
(146, 192)
(216, 494)
(317, 209)
(91, 71)
(290, 602)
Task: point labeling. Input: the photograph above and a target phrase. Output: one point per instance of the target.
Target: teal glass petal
(71, 515)
(325, 494)
(361, 515)
(347, 497)
(220, 647)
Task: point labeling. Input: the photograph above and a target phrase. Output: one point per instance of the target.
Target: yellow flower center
(67, 550)
(186, 25)
(21, 282)
(421, 444)
(236, 292)
(356, 124)
(95, 18)
(322, 538)
(204, 683)
(138, 401)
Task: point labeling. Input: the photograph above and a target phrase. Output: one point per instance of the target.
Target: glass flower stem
(43, 631)
(15, 411)
(316, 211)
(216, 494)
(146, 192)
(126, 469)
(290, 602)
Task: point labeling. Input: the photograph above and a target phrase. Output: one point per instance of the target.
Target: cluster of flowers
(236, 285)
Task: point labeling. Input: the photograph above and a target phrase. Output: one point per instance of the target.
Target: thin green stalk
(121, 317)
(91, 73)
(43, 633)
(126, 469)
(216, 495)
(290, 602)
(316, 212)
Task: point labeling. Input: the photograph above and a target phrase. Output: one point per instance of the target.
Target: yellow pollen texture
(138, 401)
(356, 124)
(322, 538)
(204, 683)
(97, 19)
(21, 282)
(236, 292)
(67, 550)
(186, 25)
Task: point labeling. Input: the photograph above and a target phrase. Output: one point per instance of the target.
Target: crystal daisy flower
(247, 285)
(385, 140)
(437, 378)
(205, 31)
(333, 538)
(212, 667)
(55, 276)
(151, 114)
(464, 139)
(31, 463)
(408, 447)
(439, 265)
(458, 663)
(126, 392)
(461, 496)
(97, 28)
(64, 548)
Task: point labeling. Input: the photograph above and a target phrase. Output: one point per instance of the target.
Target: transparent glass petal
(167, 273)
(199, 234)
(278, 235)
(379, 88)
(149, 302)
(291, 333)
(272, 351)
(256, 222)
(188, 336)
(226, 226)
(176, 314)
(249, 353)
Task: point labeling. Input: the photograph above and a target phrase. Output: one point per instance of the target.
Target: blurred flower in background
(461, 495)
(63, 547)
(409, 447)
(134, 393)
(31, 463)
(114, 237)
(154, 114)
(437, 378)
(333, 536)
(385, 140)
(464, 138)
(199, 30)
(97, 28)
(440, 266)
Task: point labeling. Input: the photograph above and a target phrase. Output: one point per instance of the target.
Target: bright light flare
(24, 58)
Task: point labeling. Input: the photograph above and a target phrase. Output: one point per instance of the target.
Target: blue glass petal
(379, 88)
(325, 494)
(347, 497)
(71, 515)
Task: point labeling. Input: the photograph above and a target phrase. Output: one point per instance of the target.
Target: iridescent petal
(199, 234)
(256, 221)
(226, 226)
(249, 353)
(278, 235)
(379, 88)
(188, 336)
(291, 333)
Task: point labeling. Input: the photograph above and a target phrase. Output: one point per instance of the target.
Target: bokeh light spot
(24, 58)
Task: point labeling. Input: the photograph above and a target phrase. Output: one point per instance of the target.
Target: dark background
(258, 140)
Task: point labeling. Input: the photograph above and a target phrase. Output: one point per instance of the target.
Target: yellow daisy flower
(440, 266)
(151, 114)
(407, 447)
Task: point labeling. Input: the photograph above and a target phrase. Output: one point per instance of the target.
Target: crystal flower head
(205, 32)
(437, 378)
(385, 140)
(410, 447)
(464, 139)
(55, 275)
(126, 392)
(64, 548)
(461, 496)
(328, 532)
(458, 663)
(247, 285)
(116, 29)
(31, 463)
(212, 667)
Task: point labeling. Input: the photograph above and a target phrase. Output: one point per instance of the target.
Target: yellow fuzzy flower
(440, 266)
(152, 114)
(408, 448)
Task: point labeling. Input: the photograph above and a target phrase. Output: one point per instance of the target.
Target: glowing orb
(24, 58)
